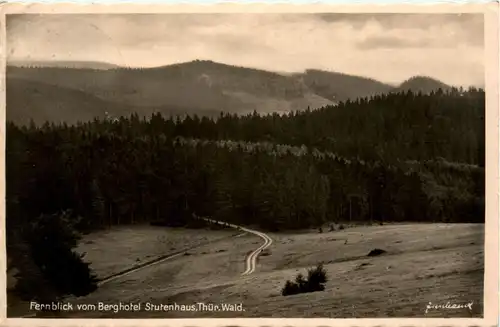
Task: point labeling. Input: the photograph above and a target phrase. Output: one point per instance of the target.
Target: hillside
(424, 263)
(42, 102)
(394, 126)
(198, 87)
(62, 64)
(422, 84)
(341, 87)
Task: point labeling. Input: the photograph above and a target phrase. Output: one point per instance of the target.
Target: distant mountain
(197, 87)
(341, 87)
(40, 102)
(422, 84)
(62, 64)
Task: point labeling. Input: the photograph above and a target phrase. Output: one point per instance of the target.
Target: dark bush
(301, 283)
(376, 252)
(290, 288)
(316, 278)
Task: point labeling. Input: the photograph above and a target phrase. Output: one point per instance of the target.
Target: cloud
(388, 47)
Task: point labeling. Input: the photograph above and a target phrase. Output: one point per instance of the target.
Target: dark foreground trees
(52, 239)
(48, 267)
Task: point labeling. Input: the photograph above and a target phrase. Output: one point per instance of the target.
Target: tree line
(390, 127)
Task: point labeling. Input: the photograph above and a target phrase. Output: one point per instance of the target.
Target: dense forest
(391, 127)
(394, 157)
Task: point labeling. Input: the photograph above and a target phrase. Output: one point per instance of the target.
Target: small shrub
(376, 252)
(316, 278)
(301, 283)
(290, 289)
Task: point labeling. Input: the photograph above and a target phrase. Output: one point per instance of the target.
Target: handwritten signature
(448, 305)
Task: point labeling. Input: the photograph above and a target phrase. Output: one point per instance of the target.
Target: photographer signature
(448, 305)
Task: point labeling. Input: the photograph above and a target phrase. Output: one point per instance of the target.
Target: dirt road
(251, 260)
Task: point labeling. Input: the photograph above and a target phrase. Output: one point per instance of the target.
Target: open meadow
(108, 253)
(423, 263)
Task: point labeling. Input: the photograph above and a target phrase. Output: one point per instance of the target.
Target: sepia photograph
(247, 165)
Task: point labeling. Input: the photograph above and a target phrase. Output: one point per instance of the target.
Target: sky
(388, 47)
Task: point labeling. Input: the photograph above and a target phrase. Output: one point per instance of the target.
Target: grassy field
(423, 263)
(114, 250)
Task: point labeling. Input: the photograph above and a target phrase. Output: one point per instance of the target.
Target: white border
(492, 158)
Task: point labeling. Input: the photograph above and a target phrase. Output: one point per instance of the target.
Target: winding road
(251, 260)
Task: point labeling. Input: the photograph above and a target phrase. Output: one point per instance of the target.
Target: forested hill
(342, 87)
(97, 65)
(197, 87)
(438, 139)
(392, 127)
(422, 84)
(41, 102)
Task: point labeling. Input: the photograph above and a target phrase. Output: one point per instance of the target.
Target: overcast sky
(387, 47)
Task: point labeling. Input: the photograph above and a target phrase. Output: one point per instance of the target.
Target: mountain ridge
(420, 83)
(98, 65)
(199, 87)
